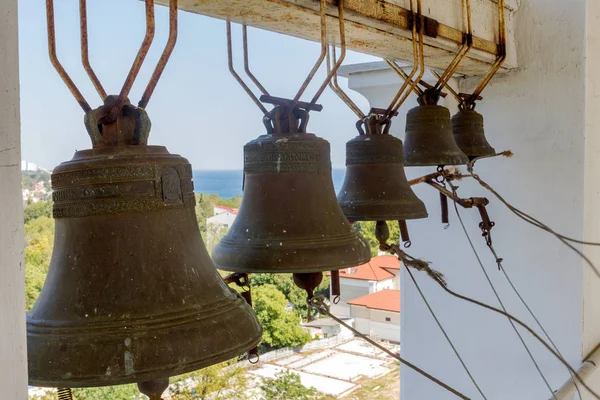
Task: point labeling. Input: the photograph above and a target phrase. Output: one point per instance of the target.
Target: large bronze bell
(429, 139)
(467, 127)
(289, 219)
(131, 294)
(375, 186)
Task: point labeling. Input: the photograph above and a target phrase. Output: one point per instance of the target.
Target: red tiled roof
(386, 300)
(228, 209)
(374, 270)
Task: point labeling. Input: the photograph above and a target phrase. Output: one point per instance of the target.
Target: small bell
(429, 140)
(467, 127)
(131, 295)
(375, 186)
(289, 219)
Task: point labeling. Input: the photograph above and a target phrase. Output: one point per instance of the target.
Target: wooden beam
(377, 27)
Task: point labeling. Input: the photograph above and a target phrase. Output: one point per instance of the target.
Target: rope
(421, 265)
(319, 303)
(445, 334)
(65, 394)
(487, 277)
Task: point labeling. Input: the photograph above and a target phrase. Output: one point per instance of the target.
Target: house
(223, 216)
(378, 314)
(381, 272)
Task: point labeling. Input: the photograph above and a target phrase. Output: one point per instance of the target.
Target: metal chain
(320, 305)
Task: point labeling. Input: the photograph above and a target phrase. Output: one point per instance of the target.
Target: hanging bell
(289, 219)
(375, 186)
(429, 139)
(131, 294)
(467, 127)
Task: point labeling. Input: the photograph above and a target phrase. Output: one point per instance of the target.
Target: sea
(228, 184)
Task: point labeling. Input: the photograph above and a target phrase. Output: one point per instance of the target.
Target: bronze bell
(131, 294)
(289, 219)
(429, 139)
(467, 127)
(375, 186)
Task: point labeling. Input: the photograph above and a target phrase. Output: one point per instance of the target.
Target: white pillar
(13, 346)
(538, 112)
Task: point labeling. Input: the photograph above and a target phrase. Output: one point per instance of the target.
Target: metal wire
(56, 63)
(319, 303)
(487, 277)
(420, 265)
(164, 58)
(439, 324)
(85, 56)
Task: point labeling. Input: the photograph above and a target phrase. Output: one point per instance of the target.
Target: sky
(198, 110)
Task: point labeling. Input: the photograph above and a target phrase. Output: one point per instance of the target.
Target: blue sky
(198, 110)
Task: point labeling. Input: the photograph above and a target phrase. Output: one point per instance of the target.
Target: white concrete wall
(13, 368)
(538, 112)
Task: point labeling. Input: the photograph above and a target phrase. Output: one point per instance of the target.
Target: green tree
(287, 386)
(367, 229)
(122, 392)
(285, 284)
(281, 327)
(217, 382)
(36, 210)
(39, 238)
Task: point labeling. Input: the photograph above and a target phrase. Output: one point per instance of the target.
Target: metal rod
(418, 91)
(137, 63)
(85, 55)
(408, 79)
(164, 58)
(466, 47)
(334, 85)
(339, 62)
(421, 59)
(449, 88)
(247, 64)
(54, 59)
(323, 13)
(501, 53)
(235, 74)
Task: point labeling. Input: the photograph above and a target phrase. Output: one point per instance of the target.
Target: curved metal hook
(466, 47)
(85, 55)
(238, 78)
(501, 55)
(56, 63)
(334, 85)
(164, 58)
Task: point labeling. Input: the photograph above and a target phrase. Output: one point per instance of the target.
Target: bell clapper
(154, 389)
(308, 282)
(382, 233)
(444, 205)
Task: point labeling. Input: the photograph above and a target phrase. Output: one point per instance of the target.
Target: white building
(382, 272)
(223, 216)
(378, 314)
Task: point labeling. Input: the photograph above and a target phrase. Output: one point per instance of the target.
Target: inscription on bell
(171, 185)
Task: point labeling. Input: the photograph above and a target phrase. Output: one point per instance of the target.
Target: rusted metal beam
(377, 27)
